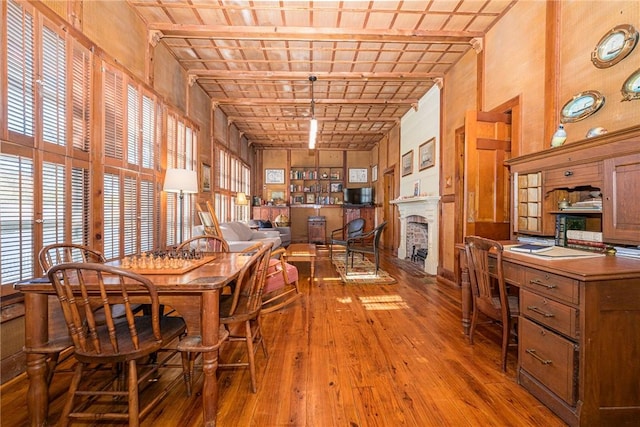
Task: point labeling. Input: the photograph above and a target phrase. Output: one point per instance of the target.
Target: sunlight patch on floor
(383, 302)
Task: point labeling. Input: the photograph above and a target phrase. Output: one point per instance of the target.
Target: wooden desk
(578, 332)
(303, 252)
(195, 295)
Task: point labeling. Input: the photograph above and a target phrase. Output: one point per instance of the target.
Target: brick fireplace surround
(427, 208)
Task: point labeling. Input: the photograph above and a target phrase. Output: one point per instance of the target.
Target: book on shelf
(565, 222)
(531, 248)
(589, 243)
(590, 236)
(587, 247)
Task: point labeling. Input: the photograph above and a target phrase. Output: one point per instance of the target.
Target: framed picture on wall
(374, 173)
(274, 176)
(358, 175)
(407, 163)
(426, 154)
(205, 177)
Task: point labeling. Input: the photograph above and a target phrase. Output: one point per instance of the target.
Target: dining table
(193, 293)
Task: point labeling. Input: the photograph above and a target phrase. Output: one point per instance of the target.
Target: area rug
(362, 272)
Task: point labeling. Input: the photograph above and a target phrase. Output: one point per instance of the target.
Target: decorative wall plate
(631, 87)
(614, 46)
(581, 106)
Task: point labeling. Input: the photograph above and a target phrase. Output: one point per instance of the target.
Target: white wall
(417, 127)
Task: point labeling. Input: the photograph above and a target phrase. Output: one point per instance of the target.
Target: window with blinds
(20, 70)
(16, 218)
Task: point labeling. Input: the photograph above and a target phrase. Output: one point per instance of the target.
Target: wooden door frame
(391, 237)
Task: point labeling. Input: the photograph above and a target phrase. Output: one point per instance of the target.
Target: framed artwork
(426, 153)
(205, 177)
(374, 173)
(310, 198)
(416, 188)
(358, 175)
(407, 163)
(274, 176)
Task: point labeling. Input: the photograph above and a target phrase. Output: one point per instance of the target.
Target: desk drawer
(555, 315)
(513, 273)
(572, 176)
(549, 358)
(552, 285)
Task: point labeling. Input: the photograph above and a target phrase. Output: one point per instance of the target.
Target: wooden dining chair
(205, 245)
(489, 291)
(365, 243)
(281, 283)
(339, 236)
(82, 286)
(240, 314)
(49, 256)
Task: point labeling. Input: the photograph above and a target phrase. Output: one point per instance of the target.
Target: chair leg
(472, 329)
(251, 358)
(132, 388)
(506, 334)
(71, 394)
(187, 367)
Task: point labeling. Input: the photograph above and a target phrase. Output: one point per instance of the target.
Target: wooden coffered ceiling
(373, 60)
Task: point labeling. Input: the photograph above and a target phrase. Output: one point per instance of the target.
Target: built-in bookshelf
(320, 186)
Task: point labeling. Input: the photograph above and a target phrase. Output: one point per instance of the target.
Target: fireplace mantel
(426, 207)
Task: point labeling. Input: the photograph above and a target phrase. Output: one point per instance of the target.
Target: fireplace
(419, 228)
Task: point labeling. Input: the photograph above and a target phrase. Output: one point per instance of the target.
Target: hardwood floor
(353, 355)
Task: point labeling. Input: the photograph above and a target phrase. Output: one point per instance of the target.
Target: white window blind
(53, 203)
(16, 218)
(53, 88)
(130, 216)
(80, 206)
(111, 227)
(81, 97)
(113, 113)
(20, 70)
(133, 126)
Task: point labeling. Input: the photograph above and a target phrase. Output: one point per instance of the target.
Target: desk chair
(488, 289)
(366, 243)
(339, 236)
(81, 286)
(240, 315)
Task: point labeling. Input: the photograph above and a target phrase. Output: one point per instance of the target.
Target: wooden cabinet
(270, 212)
(605, 168)
(366, 212)
(317, 229)
(621, 205)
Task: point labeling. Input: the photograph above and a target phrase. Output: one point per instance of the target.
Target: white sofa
(240, 236)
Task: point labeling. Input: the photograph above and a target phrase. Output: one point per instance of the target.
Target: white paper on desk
(559, 252)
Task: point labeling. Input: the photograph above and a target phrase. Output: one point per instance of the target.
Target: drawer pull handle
(568, 173)
(537, 310)
(533, 353)
(539, 282)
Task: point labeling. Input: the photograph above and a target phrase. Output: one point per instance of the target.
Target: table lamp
(181, 181)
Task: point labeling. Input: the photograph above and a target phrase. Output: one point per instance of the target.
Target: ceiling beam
(302, 75)
(329, 101)
(271, 119)
(311, 34)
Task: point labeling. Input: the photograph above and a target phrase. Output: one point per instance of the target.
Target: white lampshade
(181, 180)
(241, 199)
(313, 131)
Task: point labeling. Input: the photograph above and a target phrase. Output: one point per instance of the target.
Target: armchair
(366, 243)
(339, 236)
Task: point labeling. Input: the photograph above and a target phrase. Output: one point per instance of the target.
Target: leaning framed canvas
(407, 163)
(426, 154)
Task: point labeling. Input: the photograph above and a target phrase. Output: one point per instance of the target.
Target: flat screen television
(359, 196)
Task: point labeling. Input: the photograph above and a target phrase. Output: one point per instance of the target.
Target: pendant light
(313, 123)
